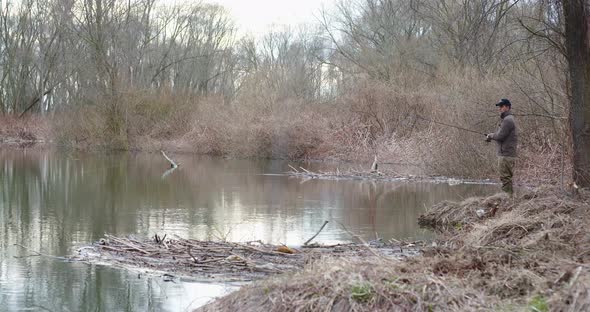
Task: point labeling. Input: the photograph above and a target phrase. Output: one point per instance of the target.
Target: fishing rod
(452, 126)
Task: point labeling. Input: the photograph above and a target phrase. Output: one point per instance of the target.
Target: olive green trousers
(505, 169)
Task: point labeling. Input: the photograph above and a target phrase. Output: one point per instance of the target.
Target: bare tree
(577, 21)
(286, 64)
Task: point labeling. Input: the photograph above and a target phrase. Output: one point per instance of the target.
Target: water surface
(54, 202)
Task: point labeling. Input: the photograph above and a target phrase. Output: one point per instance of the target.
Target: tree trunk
(577, 19)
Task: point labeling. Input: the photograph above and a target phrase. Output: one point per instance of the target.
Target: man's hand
(489, 137)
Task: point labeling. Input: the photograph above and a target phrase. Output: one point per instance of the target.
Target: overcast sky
(255, 16)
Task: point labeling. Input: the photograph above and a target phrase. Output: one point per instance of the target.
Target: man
(506, 141)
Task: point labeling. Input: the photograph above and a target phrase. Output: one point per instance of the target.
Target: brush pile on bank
(527, 253)
(227, 261)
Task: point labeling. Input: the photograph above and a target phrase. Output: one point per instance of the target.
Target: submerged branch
(316, 234)
(172, 163)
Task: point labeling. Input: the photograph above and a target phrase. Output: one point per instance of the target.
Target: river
(54, 201)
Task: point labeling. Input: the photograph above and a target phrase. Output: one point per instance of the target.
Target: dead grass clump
(348, 285)
(441, 280)
(451, 216)
(512, 225)
(530, 222)
(462, 280)
(28, 129)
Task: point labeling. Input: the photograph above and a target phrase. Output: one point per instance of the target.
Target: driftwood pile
(374, 175)
(220, 260)
(338, 175)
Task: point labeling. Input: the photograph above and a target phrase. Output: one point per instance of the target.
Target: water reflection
(55, 201)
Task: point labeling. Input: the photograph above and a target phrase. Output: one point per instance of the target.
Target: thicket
(150, 75)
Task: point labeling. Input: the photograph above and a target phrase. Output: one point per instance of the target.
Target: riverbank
(496, 253)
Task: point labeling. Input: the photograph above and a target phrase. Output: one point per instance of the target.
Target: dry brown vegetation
(24, 131)
(371, 119)
(531, 255)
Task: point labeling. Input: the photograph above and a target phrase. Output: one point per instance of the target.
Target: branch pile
(221, 260)
(374, 175)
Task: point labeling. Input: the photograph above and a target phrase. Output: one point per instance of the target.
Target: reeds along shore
(528, 253)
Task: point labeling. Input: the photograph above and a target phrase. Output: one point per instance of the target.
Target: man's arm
(506, 127)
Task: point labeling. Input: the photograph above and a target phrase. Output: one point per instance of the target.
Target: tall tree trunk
(577, 19)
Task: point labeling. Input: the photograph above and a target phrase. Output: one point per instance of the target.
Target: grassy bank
(529, 253)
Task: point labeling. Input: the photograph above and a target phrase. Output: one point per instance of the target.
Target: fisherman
(506, 139)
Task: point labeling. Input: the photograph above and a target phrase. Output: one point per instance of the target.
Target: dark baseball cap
(504, 102)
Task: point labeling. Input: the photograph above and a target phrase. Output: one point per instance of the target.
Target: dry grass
(531, 256)
(29, 129)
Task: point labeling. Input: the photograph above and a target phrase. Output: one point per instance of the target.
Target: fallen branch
(172, 163)
(306, 170)
(128, 244)
(316, 234)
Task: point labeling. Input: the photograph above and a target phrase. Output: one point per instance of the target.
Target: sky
(255, 16)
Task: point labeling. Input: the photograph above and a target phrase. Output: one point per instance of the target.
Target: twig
(371, 250)
(316, 234)
(323, 246)
(306, 170)
(575, 278)
(188, 250)
(293, 168)
(120, 241)
(37, 253)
